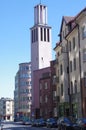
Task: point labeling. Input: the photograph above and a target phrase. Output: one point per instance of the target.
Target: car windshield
(67, 120)
(51, 119)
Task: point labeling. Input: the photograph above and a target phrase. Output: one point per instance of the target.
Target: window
(58, 54)
(46, 85)
(48, 36)
(69, 27)
(27, 83)
(41, 32)
(61, 69)
(84, 54)
(40, 99)
(36, 34)
(27, 67)
(46, 98)
(54, 95)
(85, 74)
(54, 79)
(44, 34)
(73, 42)
(74, 63)
(32, 36)
(83, 32)
(70, 46)
(70, 66)
(75, 84)
(85, 79)
(61, 89)
(71, 87)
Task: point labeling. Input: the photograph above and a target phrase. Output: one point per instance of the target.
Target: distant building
(7, 109)
(23, 91)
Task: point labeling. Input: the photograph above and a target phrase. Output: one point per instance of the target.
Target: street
(19, 126)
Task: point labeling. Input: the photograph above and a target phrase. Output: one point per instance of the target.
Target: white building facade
(72, 46)
(7, 109)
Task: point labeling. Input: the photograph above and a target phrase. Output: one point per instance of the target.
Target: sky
(16, 19)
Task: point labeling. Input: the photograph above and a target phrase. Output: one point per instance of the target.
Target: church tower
(41, 49)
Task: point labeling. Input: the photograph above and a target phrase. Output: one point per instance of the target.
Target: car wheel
(81, 129)
(62, 128)
(65, 128)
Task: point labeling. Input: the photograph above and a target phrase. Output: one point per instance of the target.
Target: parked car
(26, 122)
(41, 122)
(51, 122)
(35, 122)
(80, 124)
(64, 123)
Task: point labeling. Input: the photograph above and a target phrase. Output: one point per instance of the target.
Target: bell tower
(41, 48)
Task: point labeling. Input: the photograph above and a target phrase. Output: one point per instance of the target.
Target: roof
(57, 44)
(68, 19)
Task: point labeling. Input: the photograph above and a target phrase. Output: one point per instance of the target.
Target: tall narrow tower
(41, 50)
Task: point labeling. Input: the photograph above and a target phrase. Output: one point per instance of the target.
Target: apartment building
(23, 91)
(45, 92)
(70, 65)
(7, 109)
(38, 92)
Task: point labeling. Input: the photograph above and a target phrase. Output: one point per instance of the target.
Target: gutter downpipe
(80, 71)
